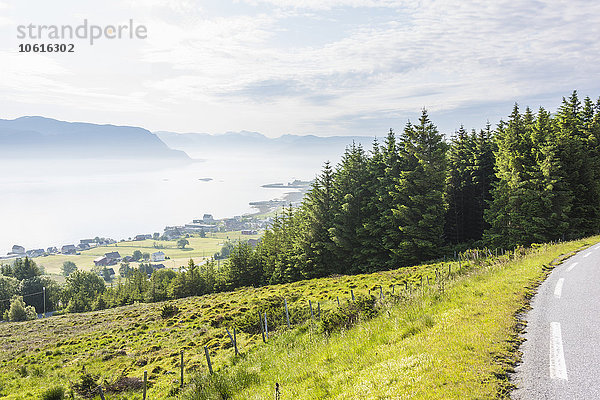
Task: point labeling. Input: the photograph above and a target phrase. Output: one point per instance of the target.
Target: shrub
(19, 311)
(54, 393)
(168, 310)
(349, 314)
(87, 385)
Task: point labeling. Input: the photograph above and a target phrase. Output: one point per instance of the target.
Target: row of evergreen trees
(415, 197)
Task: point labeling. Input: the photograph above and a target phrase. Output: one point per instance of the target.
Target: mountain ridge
(42, 137)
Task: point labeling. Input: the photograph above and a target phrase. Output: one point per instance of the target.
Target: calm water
(54, 203)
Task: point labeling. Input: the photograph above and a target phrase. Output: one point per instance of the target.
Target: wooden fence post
(233, 340)
(101, 392)
(145, 384)
(380, 292)
(338, 300)
(352, 293)
(287, 313)
(393, 288)
(262, 327)
(207, 360)
(266, 326)
(312, 316)
(318, 309)
(181, 368)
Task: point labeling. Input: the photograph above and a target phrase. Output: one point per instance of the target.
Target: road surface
(561, 354)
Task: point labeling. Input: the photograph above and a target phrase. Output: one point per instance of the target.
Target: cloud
(308, 65)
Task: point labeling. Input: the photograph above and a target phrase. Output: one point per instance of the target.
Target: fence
(432, 280)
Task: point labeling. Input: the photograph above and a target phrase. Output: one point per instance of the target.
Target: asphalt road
(561, 354)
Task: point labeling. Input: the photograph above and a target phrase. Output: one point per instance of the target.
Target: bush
(219, 386)
(87, 386)
(169, 310)
(19, 311)
(54, 393)
(347, 315)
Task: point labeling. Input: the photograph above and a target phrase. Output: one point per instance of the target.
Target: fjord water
(55, 202)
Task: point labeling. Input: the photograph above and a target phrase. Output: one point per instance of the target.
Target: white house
(158, 256)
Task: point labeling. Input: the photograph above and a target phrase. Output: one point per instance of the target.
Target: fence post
(266, 326)
(312, 316)
(262, 327)
(380, 292)
(393, 288)
(287, 313)
(207, 360)
(145, 384)
(318, 310)
(352, 293)
(233, 340)
(101, 392)
(181, 368)
(338, 300)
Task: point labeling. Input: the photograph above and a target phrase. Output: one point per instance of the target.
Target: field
(198, 249)
(451, 338)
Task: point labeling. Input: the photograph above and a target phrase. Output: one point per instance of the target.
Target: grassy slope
(454, 345)
(458, 345)
(197, 250)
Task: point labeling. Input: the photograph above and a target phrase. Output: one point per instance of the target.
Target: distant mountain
(244, 142)
(39, 137)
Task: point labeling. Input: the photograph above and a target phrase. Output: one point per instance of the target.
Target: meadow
(442, 331)
(199, 249)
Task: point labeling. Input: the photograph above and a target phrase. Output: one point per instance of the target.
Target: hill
(437, 331)
(39, 137)
(245, 142)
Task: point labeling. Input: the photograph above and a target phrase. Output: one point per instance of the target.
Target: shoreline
(260, 207)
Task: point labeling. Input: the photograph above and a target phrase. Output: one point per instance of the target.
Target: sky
(340, 67)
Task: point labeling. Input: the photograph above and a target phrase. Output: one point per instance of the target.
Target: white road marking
(571, 267)
(558, 368)
(596, 247)
(589, 253)
(558, 288)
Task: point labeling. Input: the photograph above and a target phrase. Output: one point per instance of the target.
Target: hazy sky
(301, 66)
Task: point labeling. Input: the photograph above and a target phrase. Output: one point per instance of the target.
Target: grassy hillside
(450, 341)
(198, 249)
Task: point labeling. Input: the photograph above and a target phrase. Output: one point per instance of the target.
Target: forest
(412, 197)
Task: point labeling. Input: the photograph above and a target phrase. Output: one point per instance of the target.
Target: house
(249, 232)
(35, 253)
(68, 249)
(158, 266)
(127, 259)
(110, 273)
(193, 228)
(51, 250)
(101, 261)
(142, 237)
(16, 249)
(83, 246)
(113, 255)
(87, 241)
(158, 256)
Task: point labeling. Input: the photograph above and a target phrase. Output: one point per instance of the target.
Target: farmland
(432, 341)
(198, 249)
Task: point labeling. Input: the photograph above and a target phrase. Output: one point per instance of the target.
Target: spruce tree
(419, 203)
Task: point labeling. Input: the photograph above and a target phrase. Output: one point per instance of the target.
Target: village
(247, 226)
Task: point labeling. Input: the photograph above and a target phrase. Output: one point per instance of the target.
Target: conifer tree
(349, 180)
(318, 210)
(419, 203)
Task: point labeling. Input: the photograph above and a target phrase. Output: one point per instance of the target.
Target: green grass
(198, 249)
(428, 344)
